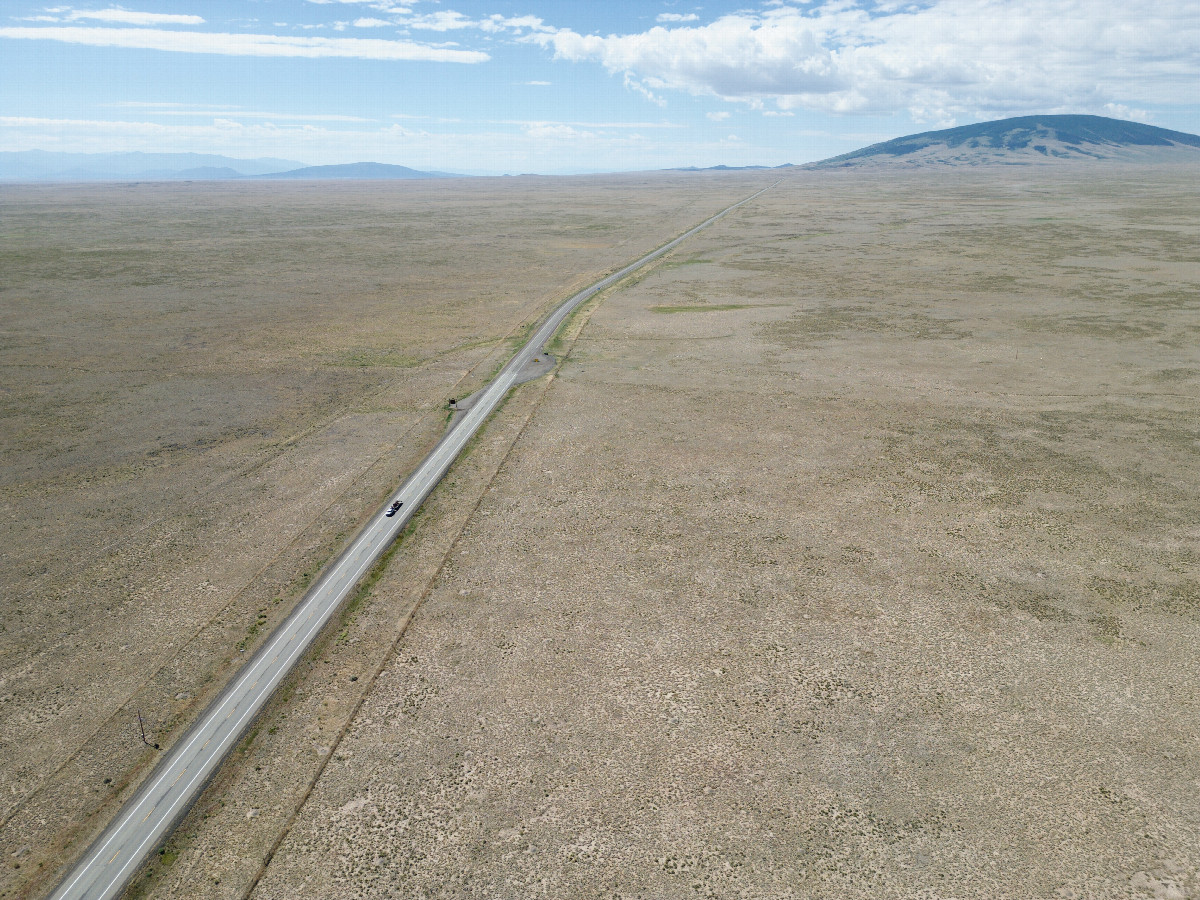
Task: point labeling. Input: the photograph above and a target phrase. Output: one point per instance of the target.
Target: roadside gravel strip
(145, 821)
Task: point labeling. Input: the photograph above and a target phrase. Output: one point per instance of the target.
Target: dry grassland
(852, 552)
(206, 388)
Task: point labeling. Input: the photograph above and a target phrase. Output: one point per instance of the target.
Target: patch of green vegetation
(1176, 374)
(301, 585)
(369, 359)
(1108, 627)
(248, 741)
(348, 614)
(518, 338)
(1182, 597)
(1110, 327)
(678, 263)
(1178, 598)
(1012, 595)
(701, 307)
(513, 342)
(253, 629)
(556, 346)
(824, 323)
(476, 439)
(1038, 606)
(992, 282)
(1117, 590)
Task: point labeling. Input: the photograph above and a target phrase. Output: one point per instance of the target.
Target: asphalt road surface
(147, 818)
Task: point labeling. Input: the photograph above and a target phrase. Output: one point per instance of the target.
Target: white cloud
(235, 113)
(717, 116)
(380, 5)
(131, 17)
(158, 104)
(538, 83)
(442, 20)
(938, 60)
(248, 44)
(677, 17)
(634, 85)
(451, 20)
(1121, 111)
(527, 123)
(515, 23)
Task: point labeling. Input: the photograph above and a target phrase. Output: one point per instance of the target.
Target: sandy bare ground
(206, 388)
(852, 552)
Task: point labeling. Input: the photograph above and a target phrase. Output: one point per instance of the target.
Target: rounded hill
(1026, 140)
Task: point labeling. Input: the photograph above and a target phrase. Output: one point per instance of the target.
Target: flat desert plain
(206, 389)
(850, 552)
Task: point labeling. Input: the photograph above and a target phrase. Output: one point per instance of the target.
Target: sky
(550, 86)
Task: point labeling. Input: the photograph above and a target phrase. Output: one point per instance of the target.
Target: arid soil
(851, 552)
(206, 388)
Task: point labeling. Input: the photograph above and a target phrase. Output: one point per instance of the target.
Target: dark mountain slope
(1026, 140)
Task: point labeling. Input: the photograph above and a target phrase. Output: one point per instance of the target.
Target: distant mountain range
(727, 168)
(367, 170)
(43, 165)
(1025, 140)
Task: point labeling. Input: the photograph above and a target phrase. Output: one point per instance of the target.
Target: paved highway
(147, 818)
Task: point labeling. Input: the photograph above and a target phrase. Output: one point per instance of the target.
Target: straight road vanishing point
(146, 819)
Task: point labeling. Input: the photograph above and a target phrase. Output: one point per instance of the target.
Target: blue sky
(552, 86)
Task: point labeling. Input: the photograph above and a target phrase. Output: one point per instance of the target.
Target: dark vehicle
(394, 508)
